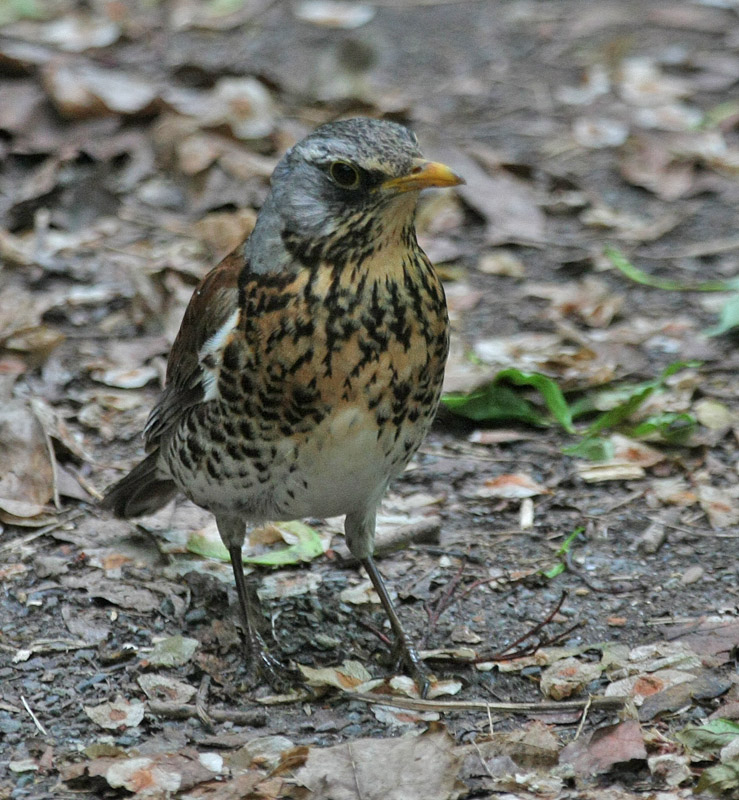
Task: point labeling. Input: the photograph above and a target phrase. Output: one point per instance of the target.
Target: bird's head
(352, 180)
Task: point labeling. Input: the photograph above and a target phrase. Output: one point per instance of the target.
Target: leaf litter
(115, 206)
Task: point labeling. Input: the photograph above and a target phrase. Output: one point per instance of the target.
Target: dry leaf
(81, 90)
(501, 262)
(120, 713)
(508, 204)
(567, 677)
(610, 471)
(360, 594)
(633, 452)
(605, 748)
(720, 504)
(407, 768)
(27, 468)
(513, 486)
(162, 688)
(347, 677)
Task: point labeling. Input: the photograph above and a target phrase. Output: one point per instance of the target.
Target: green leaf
(497, 401)
(493, 403)
(208, 544)
(623, 265)
(640, 393)
(720, 779)
(711, 737)
(728, 318)
(559, 568)
(594, 448)
(548, 389)
(307, 546)
(670, 426)
(614, 417)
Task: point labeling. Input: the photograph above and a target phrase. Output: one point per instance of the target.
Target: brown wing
(212, 305)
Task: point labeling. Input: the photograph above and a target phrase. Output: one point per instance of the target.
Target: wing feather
(212, 312)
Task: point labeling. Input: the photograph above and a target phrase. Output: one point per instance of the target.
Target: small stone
(326, 642)
(652, 539)
(8, 725)
(692, 575)
(462, 634)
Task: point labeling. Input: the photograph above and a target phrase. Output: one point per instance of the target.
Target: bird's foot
(407, 656)
(263, 667)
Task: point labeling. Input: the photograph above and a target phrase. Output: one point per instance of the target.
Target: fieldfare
(309, 363)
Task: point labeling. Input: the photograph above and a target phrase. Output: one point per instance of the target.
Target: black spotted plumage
(309, 363)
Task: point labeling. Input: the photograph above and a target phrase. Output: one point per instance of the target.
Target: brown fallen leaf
(118, 593)
(590, 301)
(605, 748)
(80, 90)
(516, 485)
(119, 714)
(407, 768)
(346, 677)
(634, 452)
(567, 677)
(507, 203)
(648, 162)
(720, 504)
(713, 638)
(27, 466)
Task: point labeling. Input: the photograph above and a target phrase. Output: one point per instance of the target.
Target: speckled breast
(324, 395)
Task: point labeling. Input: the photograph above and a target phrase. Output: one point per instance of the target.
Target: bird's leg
(403, 647)
(266, 666)
(360, 537)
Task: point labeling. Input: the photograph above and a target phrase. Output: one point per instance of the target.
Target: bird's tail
(143, 491)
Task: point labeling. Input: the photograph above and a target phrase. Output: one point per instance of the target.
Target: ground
(126, 175)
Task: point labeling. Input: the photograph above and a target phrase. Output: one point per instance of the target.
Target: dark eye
(344, 174)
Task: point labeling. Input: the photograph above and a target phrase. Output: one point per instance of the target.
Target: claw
(264, 667)
(406, 655)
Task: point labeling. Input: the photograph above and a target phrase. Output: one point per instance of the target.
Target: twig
(424, 531)
(62, 519)
(508, 654)
(479, 582)
(691, 531)
(384, 638)
(200, 702)
(256, 718)
(600, 702)
(35, 719)
(533, 631)
(583, 717)
(445, 599)
(529, 650)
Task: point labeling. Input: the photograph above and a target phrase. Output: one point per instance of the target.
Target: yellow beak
(423, 175)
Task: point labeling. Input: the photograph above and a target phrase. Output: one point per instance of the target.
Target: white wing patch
(210, 355)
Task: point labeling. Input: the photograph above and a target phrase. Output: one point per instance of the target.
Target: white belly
(338, 467)
(342, 467)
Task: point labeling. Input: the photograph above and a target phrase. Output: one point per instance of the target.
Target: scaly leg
(261, 661)
(360, 538)
(403, 645)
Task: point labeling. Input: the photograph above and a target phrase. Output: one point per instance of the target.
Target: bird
(309, 363)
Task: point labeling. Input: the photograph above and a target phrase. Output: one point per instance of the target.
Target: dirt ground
(577, 125)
